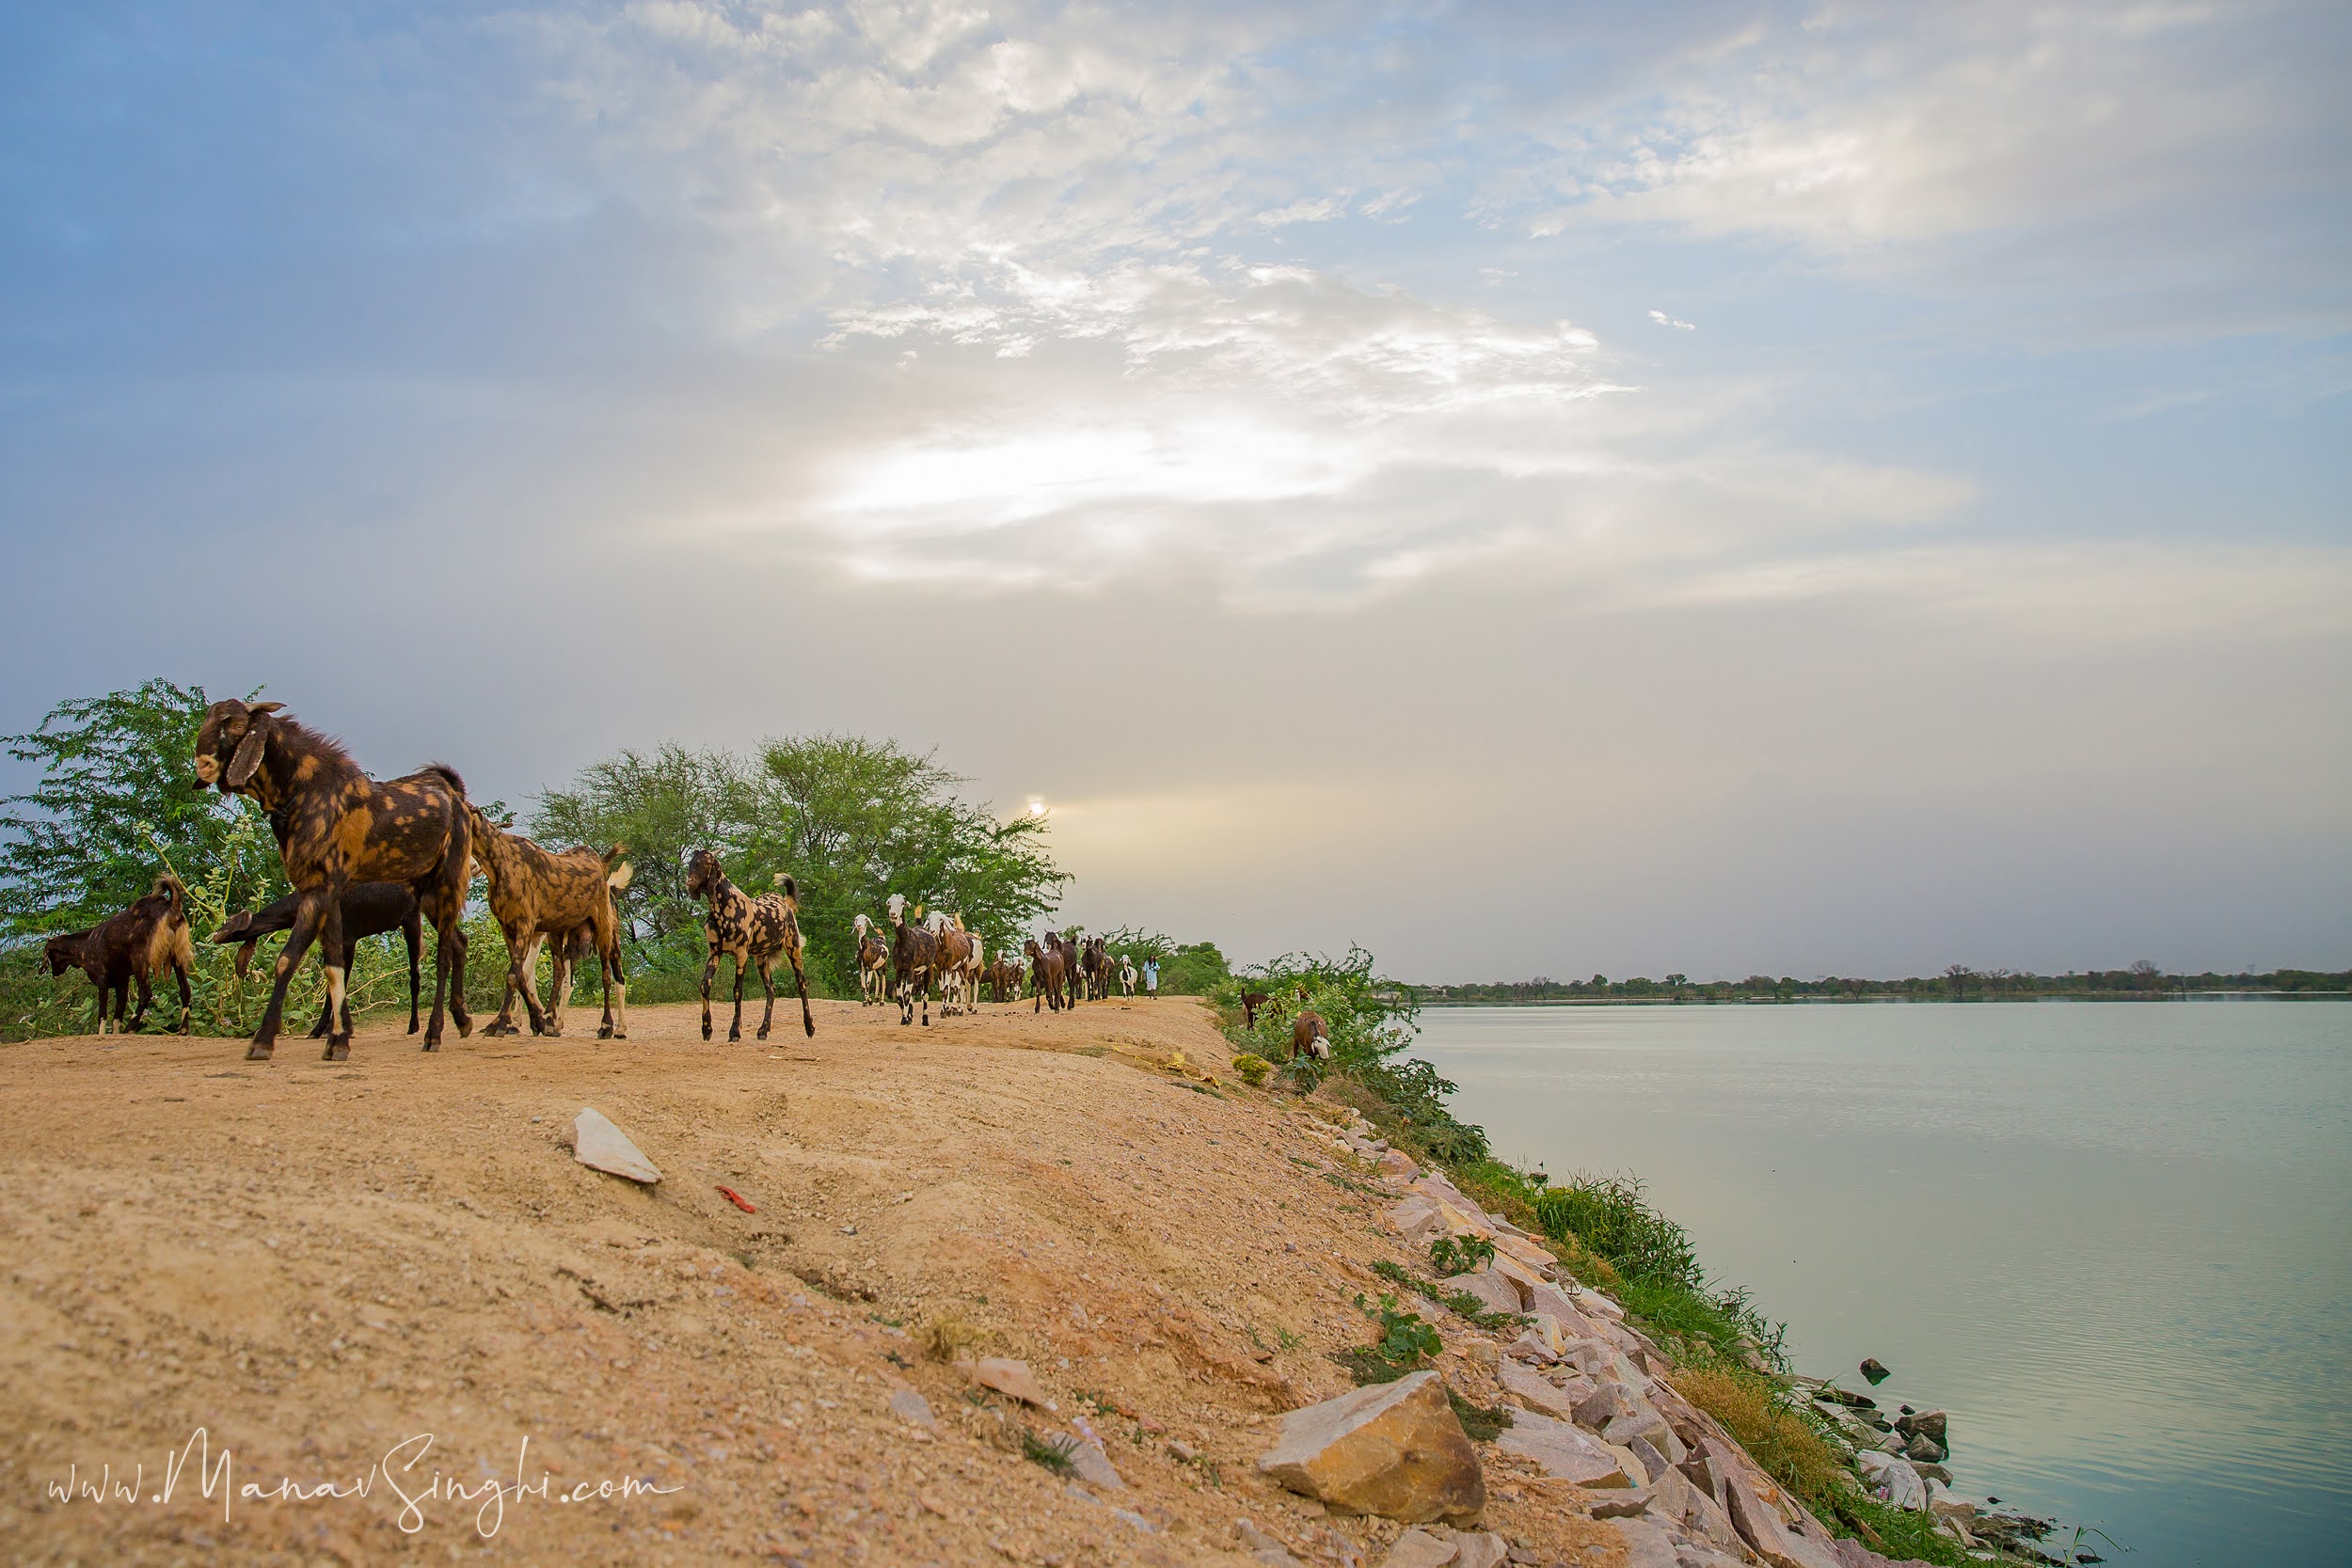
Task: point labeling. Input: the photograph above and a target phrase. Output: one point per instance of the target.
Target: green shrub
(1252, 1068)
(1406, 1344)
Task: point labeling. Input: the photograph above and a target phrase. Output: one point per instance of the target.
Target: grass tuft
(1052, 1453)
(948, 1336)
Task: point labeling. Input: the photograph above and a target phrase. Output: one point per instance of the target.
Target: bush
(1252, 1068)
(1752, 1409)
(1609, 1214)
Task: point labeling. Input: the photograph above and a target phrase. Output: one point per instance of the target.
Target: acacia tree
(112, 808)
(851, 821)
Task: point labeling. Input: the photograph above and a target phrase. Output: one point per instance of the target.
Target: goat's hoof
(432, 1044)
(258, 1051)
(464, 1031)
(763, 1034)
(337, 1053)
(735, 1037)
(412, 1025)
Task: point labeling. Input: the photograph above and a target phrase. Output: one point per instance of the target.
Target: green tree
(113, 808)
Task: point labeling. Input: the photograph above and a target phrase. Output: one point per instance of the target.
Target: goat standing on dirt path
(749, 931)
(956, 952)
(1126, 975)
(873, 964)
(914, 958)
(369, 908)
(131, 949)
(1046, 976)
(536, 894)
(336, 826)
(1067, 950)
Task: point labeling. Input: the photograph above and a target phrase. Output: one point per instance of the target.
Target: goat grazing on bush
(536, 894)
(914, 959)
(1046, 976)
(1250, 1002)
(369, 910)
(873, 964)
(749, 931)
(336, 826)
(132, 949)
(1310, 1035)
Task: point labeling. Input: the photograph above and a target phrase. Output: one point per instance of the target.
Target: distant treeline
(2142, 981)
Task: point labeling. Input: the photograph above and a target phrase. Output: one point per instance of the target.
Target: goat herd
(366, 859)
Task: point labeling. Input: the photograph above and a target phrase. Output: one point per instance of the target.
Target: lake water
(2113, 1240)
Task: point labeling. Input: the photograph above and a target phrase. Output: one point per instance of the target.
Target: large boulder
(1571, 1454)
(1892, 1480)
(1755, 1516)
(1394, 1449)
(1492, 1290)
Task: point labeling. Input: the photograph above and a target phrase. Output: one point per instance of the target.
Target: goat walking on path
(956, 952)
(1046, 976)
(873, 964)
(336, 826)
(750, 931)
(914, 959)
(132, 949)
(536, 894)
(369, 910)
(1126, 976)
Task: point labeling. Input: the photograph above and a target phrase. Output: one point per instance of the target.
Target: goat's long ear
(248, 758)
(244, 955)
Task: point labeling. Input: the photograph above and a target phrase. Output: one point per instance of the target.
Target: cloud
(1664, 320)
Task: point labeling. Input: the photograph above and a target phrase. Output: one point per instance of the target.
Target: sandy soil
(314, 1263)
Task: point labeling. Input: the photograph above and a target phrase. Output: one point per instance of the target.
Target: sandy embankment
(314, 1262)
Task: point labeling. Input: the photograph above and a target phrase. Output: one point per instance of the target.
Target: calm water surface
(2114, 1241)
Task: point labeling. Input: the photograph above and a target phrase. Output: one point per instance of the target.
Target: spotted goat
(914, 959)
(369, 910)
(873, 964)
(335, 827)
(752, 931)
(536, 894)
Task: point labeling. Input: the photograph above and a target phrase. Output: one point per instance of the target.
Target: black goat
(369, 909)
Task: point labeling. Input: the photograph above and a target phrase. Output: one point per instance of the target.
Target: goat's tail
(168, 886)
(448, 774)
(789, 888)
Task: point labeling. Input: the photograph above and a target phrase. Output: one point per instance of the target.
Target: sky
(1534, 490)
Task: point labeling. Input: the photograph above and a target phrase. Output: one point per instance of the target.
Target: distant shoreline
(2102, 998)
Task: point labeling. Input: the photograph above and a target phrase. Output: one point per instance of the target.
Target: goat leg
(800, 983)
(413, 930)
(710, 967)
(308, 916)
(338, 975)
(768, 981)
(735, 1029)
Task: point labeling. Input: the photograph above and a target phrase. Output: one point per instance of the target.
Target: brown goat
(1003, 979)
(914, 959)
(335, 827)
(369, 910)
(1310, 1035)
(1046, 976)
(131, 949)
(955, 953)
(1250, 1002)
(749, 931)
(873, 964)
(536, 894)
(1072, 978)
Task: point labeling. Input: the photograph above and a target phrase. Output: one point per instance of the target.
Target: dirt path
(314, 1263)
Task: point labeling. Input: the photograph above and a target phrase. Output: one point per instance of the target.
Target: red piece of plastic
(739, 1200)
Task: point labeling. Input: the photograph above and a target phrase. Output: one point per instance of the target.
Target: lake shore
(334, 1271)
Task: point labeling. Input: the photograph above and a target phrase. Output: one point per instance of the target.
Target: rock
(1397, 1162)
(1510, 1244)
(1700, 1471)
(1674, 1498)
(1829, 1393)
(1490, 1288)
(1534, 1345)
(1933, 1472)
(600, 1146)
(1853, 1554)
(1007, 1377)
(1759, 1523)
(1477, 1549)
(1394, 1449)
(1875, 1371)
(1892, 1480)
(1590, 1302)
(1622, 1505)
(1418, 1549)
(1182, 1451)
(1929, 1423)
(1646, 1544)
(1416, 1219)
(1262, 1547)
(1535, 1391)
(1092, 1465)
(913, 1409)
(1642, 1422)
(1564, 1452)
(1552, 1303)
(1608, 1401)
(1646, 1451)
(1926, 1448)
